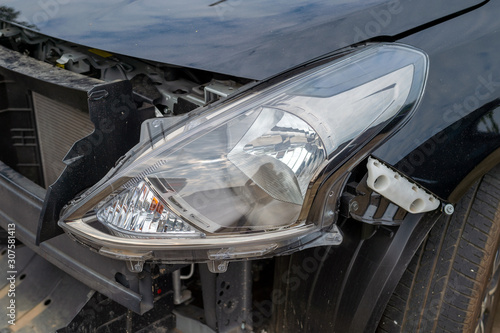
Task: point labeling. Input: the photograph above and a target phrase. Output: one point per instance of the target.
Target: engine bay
(172, 90)
(35, 139)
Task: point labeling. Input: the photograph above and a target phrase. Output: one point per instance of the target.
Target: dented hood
(253, 39)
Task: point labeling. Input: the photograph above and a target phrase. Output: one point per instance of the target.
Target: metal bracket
(372, 208)
(234, 298)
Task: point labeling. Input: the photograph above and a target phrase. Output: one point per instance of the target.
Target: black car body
(56, 98)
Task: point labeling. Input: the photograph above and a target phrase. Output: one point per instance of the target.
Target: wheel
(450, 284)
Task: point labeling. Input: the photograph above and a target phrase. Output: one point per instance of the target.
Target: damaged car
(232, 166)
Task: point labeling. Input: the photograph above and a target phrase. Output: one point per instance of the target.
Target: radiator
(59, 127)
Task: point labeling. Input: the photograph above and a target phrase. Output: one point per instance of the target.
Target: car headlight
(236, 181)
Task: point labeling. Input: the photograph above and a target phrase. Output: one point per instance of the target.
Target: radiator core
(59, 127)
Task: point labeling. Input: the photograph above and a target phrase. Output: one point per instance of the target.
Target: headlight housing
(237, 181)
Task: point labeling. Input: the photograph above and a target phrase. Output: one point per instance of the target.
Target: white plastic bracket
(398, 189)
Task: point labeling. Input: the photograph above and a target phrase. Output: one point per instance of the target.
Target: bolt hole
(431, 199)
(381, 183)
(22, 276)
(221, 293)
(122, 279)
(223, 284)
(4, 252)
(218, 302)
(396, 176)
(417, 205)
(47, 302)
(414, 188)
(228, 286)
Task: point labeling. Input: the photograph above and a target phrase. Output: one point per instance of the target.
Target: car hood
(252, 39)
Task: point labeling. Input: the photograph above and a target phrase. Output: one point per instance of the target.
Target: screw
(331, 194)
(449, 209)
(156, 123)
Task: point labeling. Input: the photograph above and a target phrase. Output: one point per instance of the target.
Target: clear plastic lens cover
(140, 209)
(250, 173)
(247, 165)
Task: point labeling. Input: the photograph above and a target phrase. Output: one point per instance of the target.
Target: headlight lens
(246, 168)
(250, 173)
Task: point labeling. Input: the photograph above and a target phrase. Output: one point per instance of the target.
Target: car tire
(450, 284)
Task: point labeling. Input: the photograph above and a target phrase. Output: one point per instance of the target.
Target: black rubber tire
(444, 285)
